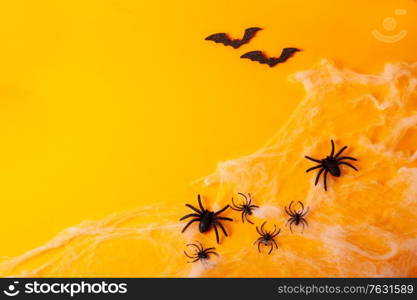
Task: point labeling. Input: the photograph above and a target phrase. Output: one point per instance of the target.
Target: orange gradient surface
(113, 111)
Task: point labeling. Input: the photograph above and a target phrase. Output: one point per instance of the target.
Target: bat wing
(260, 57)
(256, 56)
(286, 54)
(222, 38)
(249, 34)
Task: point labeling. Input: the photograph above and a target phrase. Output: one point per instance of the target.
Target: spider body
(200, 252)
(206, 218)
(296, 217)
(206, 221)
(246, 207)
(267, 238)
(330, 164)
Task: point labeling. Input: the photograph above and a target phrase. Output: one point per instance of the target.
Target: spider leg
(208, 249)
(197, 259)
(222, 210)
(247, 219)
(313, 168)
(289, 206)
(189, 223)
(331, 153)
(275, 229)
(272, 248)
(242, 215)
(186, 254)
(257, 229)
(259, 246)
(235, 205)
(212, 252)
(193, 208)
(200, 246)
(305, 212)
(224, 218)
(302, 223)
(254, 206)
(291, 223)
(347, 164)
(340, 152)
(199, 203)
(262, 228)
(244, 196)
(279, 230)
(289, 220)
(346, 157)
(217, 233)
(275, 243)
(195, 246)
(318, 176)
(313, 159)
(257, 240)
(189, 216)
(325, 180)
(236, 208)
(287, 211)
(222, 228)
(250, 199)
(302, 207)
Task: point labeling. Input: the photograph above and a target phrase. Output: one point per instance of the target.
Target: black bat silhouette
(235, 43)
(260, 57)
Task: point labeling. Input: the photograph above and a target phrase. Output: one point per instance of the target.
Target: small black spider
(267, 237)
(296, 217)
(200, 253)
(206, 218)
(246, 208)
(330, 164)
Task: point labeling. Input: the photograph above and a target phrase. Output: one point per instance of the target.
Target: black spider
(200, 253)
(267, 237)
(206, 218)
(296, 217)
(330, 164)
(246, 208)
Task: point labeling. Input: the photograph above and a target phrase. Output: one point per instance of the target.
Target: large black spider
(246, 208)
(200, 253)
(267, 237)
(330, 164)
(296, 217)
(206, 218)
